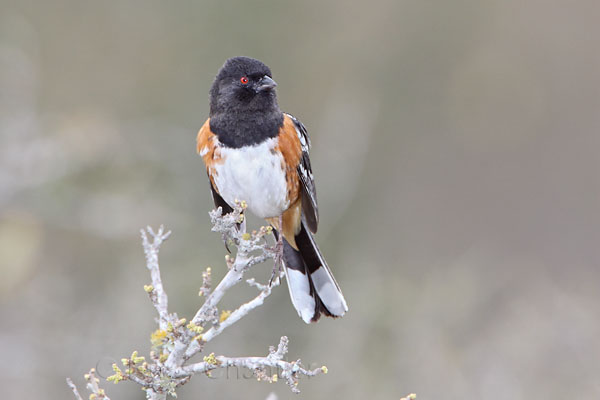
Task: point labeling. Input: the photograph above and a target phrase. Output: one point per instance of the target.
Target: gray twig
(177, 340)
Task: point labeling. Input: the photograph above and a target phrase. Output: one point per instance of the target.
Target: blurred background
(456, 151)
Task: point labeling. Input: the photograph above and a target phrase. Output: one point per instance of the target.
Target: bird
(256, 153)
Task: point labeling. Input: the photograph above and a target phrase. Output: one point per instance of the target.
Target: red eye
(244, 80)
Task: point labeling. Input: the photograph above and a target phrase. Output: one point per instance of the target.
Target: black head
(243, 84)
(243, 104)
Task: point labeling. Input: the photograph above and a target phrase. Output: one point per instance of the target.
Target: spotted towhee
(255, 152)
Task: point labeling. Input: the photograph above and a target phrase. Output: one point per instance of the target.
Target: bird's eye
(244, 80)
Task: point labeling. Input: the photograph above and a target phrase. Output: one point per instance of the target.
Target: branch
(176, 341)
(74, 389)
(156, 291)
(290, 371)
(236, 315)
(92, 386)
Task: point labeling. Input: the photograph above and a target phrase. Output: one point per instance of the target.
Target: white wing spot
(302, 139)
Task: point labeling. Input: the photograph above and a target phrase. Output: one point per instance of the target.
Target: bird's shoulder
(291, 141)
(207, 145)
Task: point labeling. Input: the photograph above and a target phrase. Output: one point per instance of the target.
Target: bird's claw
(226, 243)
(241, 228)
(278, 260)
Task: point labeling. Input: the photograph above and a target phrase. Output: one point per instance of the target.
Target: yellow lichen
(137, 359)
(115, 378)
(246, 236)
(148, 288)
(211, 359)
(118, 376)
(157, 337)
(224, 315)
(197, 329)
(324, 369)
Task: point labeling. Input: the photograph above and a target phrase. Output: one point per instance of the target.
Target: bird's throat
(241, 129)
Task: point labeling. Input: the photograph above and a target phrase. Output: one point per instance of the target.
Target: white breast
(254, 174)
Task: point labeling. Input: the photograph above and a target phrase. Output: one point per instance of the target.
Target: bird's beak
(265, 83)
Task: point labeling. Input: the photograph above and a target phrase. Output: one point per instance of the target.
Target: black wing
(219, 201)
(310, 209)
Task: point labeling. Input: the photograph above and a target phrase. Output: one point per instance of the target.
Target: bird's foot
(229, 239)
(278, 260)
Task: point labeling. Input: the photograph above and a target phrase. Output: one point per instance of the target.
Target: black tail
(313, 288)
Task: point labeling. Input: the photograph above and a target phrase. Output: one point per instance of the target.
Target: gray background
(455, 146)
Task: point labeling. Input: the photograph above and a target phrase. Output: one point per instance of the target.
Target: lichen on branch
(176, 340)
